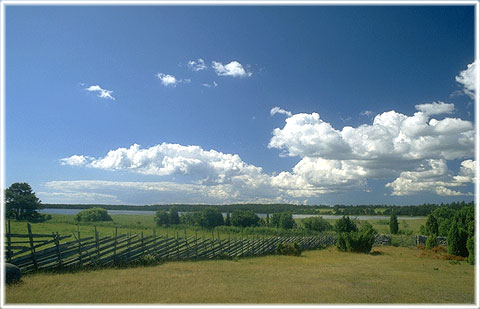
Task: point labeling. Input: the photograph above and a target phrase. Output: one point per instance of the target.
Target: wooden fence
(47, 251)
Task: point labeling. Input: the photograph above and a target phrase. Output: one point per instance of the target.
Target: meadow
(387, 275)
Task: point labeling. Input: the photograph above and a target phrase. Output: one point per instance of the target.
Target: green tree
(228, 221)
(244, 218)
(286, 221)
(174, 218)
(393, 224)
(162, 218)
(93, 215)
(211, 217)
(316, 224)
(431, 227)
(345, 224)
(21, 202)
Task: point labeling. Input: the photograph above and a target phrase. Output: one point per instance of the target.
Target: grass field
(389, 275)
(65, 225)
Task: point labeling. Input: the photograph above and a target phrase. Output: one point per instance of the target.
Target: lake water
(58, 211)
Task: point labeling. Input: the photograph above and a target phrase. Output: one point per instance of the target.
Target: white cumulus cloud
(468, 79)
(168, 80)
(198, 65)
(278, 110)
(435, 108)
(234, 69)
(101, 93)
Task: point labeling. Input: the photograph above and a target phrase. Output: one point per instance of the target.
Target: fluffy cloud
(435, 108)
(234, 69)
(168, 80)
(432, 176)
(278, 110)
(170, 159)
(101, 93)
(198, 65)
(410, 149)
(467, 79)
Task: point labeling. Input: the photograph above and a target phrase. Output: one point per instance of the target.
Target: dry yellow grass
(393, 275)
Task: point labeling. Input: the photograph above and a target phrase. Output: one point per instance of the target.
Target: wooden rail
(32, 251)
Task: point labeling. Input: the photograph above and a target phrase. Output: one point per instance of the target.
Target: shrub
(211, 217)
(317, 224)
(471, 250)
(357, 241)
(393, 224)
(431, 227)
(173, 215)
(92, 215)
(244, 218)
(162, 218)
(289, 248)
(344, 224)
(431, 241)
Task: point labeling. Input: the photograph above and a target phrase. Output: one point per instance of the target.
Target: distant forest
(350, 210)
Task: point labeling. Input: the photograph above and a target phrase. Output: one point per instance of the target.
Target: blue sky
(165, 104)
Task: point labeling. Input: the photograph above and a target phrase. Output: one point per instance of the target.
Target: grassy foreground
(389, 275)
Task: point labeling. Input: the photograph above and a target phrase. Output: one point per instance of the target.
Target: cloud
(171, 159)
(214, 84)
(432, 176)
(467, 79)
(278, 110)
(435, 108)
(168, 80)
(234, 69)
(102, 93)
(405, 148)
(198, 65)
(75, 160)
(366, 113)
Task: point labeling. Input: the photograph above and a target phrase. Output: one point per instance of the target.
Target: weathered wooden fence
(47, 251)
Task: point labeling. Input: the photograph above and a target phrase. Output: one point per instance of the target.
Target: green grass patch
(388, 275)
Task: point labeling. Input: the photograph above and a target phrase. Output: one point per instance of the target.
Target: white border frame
(4, 3)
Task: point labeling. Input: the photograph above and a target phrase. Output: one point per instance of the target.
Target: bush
(211, 217)
(357, 241)
(173, 215)
(345, 225)
(244, 218)
(393, 224)
(289, 248)
(471, 250)
(316, 224)
(431, 227)
(92, 215)
(162, 218)
(431, 241)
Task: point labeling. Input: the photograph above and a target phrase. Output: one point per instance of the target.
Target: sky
(251, 104)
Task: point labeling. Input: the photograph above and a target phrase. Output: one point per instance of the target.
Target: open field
(389, 275)
(65, 225)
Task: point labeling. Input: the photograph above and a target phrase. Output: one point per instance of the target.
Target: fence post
(96, 242)
(196, 246)
(57, 245)
(115, 246)
(9, 243)
(79, 246)
(143, 250)
(32, 248)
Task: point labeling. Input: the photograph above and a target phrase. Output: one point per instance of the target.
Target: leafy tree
(444, 215)
(275, 221)
(228, 221)
(471, 249)
(286, 221)
(345, 224)
(316, 224)
(431, 227)
(93, 215)
(21, 202)
(431, 241)
(162, 218)
(461, 229)
(174, 218)
(393, 224)
(211, 217)
(244, 218)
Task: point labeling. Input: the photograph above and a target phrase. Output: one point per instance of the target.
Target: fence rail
(47, 251)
